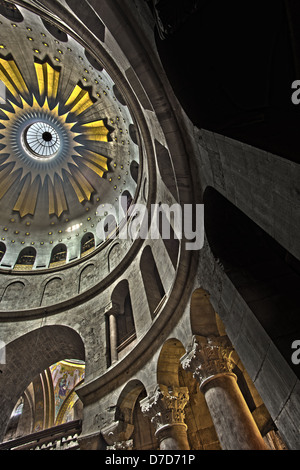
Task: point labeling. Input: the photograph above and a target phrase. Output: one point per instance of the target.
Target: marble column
(210, 361)
(166, 410)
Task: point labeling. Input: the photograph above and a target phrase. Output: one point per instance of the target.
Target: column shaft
(231, 416)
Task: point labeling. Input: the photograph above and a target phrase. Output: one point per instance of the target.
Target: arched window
(2, 250)
(56, 32)
(26, 259)
(120, 321)
(88, 17)
(87, 244)
(59, 255)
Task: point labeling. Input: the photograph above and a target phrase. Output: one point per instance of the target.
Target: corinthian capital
(208, 357)
(166, 406)
(117, 433)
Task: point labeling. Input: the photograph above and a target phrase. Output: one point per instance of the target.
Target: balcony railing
(63, 437)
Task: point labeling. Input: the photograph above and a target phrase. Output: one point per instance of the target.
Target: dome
(67, 140)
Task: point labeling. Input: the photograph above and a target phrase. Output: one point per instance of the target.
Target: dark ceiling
(232, 65)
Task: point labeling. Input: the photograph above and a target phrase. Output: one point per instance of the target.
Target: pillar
(210, 361)
(166, 410)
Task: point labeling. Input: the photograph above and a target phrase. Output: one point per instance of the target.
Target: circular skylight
(42, 140)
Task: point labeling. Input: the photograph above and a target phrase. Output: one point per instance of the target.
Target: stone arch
(12, 298)
(168, 364)
(166, 169)
(28, 356)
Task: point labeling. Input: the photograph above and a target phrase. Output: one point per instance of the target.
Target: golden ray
(12, 78)
(96, 131)
(27, 200)
(7, 180)
(79, 100)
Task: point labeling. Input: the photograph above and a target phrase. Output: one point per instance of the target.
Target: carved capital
(208, 357)
(166, 406)
(117, 433)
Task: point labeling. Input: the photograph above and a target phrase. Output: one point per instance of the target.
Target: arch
(88, 244)
(129, 411)
(26, 259)
(128, 399)
(152, 281)
(202, 314)
(264, 273)
(114, 256)
(168, 236)
(134, 171)
(2, 251)
(30, 355)
(52, 288)
(125, 320)
(58, 256)
(12, 298)
(110, 226)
